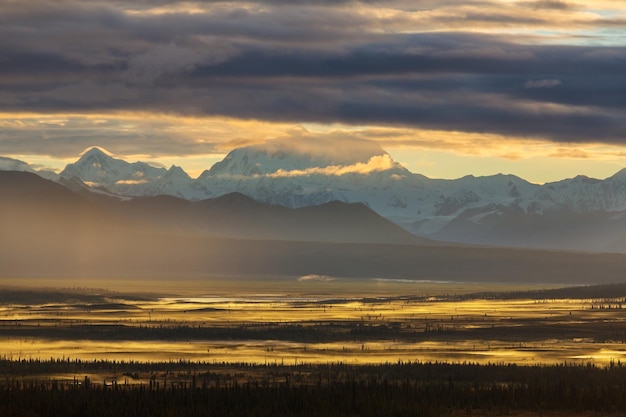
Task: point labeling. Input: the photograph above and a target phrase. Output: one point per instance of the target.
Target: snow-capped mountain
(10, 164)
(49, 231)
(584, 194)
(577, 213)
(275, 156)
(305, 176)
(97, 168)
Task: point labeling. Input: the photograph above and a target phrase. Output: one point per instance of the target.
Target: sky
(447, 87)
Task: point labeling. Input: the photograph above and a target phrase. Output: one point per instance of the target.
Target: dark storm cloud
(420, 54)
(310, 61)
(426, 108)
(549, 4)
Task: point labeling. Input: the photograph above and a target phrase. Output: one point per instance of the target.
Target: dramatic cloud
(538, 70)
(542, 83)
(329, 146)
(375, 164)
(161, 60)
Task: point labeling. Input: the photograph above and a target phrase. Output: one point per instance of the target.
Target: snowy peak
(177, 172)
(98, 167)
(619, 176)
(295, 155)
(96, 153)
(10, 164)
(497, 209)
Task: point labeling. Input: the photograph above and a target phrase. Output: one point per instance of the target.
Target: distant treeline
(604, 291)
(399, 389)
(306, 332)
(89, 297)
(377, 328)
(31, 296)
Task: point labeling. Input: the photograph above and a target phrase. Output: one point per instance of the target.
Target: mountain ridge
(468, 210)
(48, 204)
(93, 241)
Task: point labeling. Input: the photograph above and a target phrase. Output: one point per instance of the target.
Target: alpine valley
(580, 213)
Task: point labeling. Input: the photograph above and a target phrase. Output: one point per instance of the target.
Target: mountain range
(50, 209)
(51, 231)
(580, 213)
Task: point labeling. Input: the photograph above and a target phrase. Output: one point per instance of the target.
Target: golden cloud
(375, 164)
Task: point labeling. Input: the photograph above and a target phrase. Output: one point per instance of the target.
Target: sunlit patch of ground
(283, 352)
(295, 327)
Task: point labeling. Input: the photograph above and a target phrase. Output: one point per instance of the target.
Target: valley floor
(314, 347)
(289, 328)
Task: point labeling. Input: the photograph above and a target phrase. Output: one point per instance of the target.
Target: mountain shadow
(50, 231)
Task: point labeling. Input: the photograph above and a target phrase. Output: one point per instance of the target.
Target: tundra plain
(318, 320)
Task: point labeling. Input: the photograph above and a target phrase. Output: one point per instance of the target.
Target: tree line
(398, 389)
